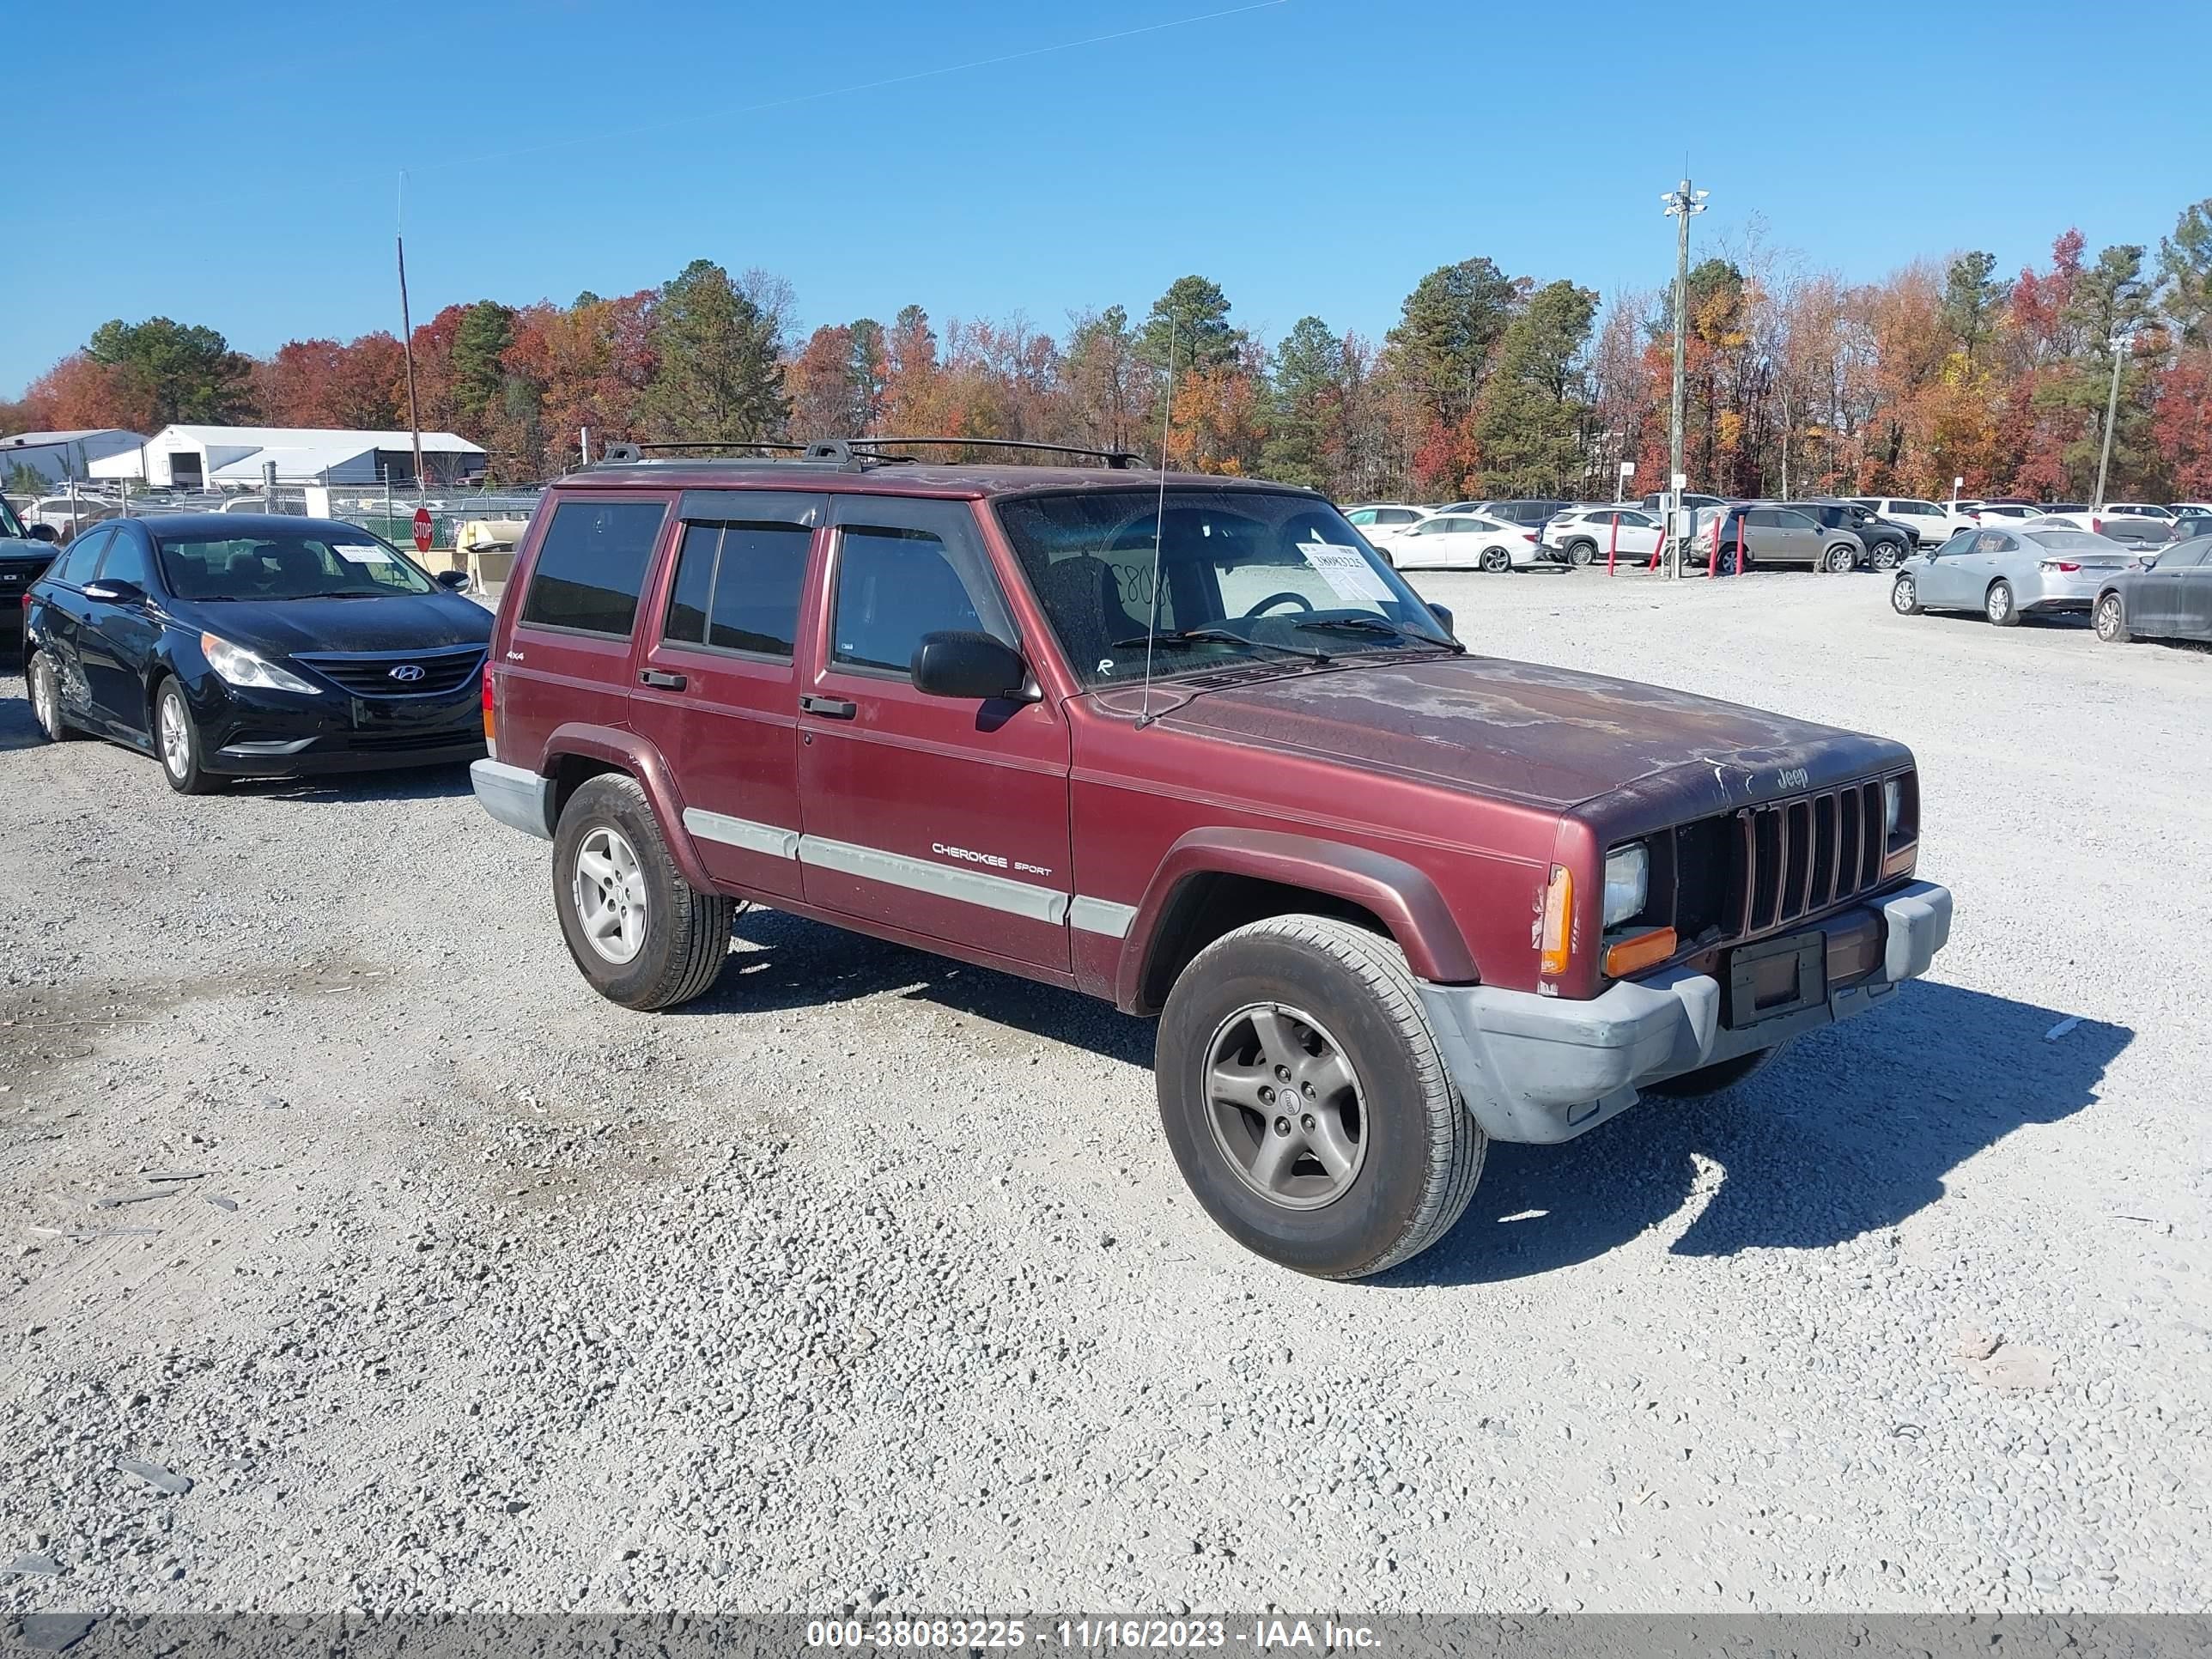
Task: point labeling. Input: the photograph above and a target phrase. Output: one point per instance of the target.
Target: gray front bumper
(1537, 1068)
(519, 799)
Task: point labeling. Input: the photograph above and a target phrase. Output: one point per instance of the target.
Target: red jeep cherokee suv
(1188, 744)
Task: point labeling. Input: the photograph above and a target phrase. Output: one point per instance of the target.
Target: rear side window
(591, 566)
(738, 587)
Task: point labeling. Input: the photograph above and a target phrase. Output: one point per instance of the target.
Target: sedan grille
(1797, 857)
(399, 673)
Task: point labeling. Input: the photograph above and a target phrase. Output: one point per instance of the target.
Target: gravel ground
(867, 1279)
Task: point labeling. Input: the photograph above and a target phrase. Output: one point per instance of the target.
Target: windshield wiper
(1219, 635)
(1374, 625)
(335, 593)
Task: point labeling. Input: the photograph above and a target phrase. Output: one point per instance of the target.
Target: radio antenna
(1159, 532)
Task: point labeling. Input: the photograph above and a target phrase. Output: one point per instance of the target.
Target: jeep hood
(1545, 737)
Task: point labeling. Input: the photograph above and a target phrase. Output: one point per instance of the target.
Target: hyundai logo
(407, 673)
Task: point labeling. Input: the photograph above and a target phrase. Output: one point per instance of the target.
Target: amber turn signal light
(1631, 954)
(1557, 930)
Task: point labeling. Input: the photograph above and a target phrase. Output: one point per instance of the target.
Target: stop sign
(421, 530)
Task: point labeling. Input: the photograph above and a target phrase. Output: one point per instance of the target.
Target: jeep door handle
(663, 678)
(835, 709)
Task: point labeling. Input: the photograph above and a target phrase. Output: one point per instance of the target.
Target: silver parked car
(2009, 574)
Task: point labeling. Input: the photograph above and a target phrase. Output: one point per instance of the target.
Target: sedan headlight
(1892, 807)
(1627, 882)
(240, 667)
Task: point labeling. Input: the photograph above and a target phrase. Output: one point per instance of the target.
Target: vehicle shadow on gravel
(1852, 1130)
(346, 788)
(798, 963)
(17, 729)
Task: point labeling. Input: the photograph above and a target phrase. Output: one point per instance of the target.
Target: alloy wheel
(608, 890)
(2109, 620)
(176, 740)
(1901, 596)
(1999, 603)
(43, 704)
(1284, 1106)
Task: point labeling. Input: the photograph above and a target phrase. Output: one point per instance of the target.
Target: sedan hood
(285, 627)
(1547, 737)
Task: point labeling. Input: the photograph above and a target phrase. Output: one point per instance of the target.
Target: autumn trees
(1488, 383)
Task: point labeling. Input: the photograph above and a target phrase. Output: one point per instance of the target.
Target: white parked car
(1383, 522)
(2139, 532)
(1583, 534)
(1465, 541)
(58, 514)
(1993, 514)
(2135, 510)
(1934, 523)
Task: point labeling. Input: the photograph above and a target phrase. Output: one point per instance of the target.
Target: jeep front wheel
(642, 935)
(1306, 1102)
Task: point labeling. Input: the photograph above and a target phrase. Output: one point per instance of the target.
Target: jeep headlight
(1627, 882)
(237, 666)
(1892, 807)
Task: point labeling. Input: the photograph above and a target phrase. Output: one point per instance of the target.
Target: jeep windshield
(287, 564)
(1245, 576)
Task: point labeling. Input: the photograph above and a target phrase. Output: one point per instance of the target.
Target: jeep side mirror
(962, 664)
(1443, 615)
(455, 580)
(44, 532)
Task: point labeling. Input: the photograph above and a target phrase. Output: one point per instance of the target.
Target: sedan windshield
(1245, 576)
(287, 564)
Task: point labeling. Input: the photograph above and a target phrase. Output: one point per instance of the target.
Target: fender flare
(644, 761)
(1404, 898)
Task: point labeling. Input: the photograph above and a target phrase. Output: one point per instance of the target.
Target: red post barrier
(1614, 546)
(1713, 558)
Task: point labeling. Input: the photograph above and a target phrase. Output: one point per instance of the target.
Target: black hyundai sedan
(230, 645)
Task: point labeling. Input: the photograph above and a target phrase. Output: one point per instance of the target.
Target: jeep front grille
(1797, 857)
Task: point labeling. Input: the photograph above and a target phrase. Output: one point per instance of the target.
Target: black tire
(1905, 596)
(1999, 605)
(1420, 1152)
(686, 933)
(1712, 1079)
(46, 711)
(1581, 553)
(2110, 617)
(1841, 559)
(1497, 561)
(1887, 556)
(183, 762)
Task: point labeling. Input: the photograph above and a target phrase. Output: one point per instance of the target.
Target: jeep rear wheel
(642, 935)
(1305, 1100)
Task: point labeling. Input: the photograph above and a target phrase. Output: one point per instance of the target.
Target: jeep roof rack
(852, 454)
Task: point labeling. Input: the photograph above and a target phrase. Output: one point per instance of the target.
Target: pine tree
(717, 379)
(1528, 427)
(1194, 314)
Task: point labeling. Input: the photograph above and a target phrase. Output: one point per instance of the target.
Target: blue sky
(1311, 156)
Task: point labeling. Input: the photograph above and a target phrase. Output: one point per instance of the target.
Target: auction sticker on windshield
(1345, 570)
(362, 553)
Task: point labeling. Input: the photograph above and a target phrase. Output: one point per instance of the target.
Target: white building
(56, 456)
(205, 456)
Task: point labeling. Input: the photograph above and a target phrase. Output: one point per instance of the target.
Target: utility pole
(1681, 202)
(2120, 344)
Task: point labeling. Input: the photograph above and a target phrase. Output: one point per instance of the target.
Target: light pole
(2120, 344)
(1681, 202)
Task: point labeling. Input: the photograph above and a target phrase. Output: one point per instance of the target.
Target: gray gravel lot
(868, 1278)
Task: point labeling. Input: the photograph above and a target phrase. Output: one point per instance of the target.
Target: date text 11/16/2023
(1324, 1635)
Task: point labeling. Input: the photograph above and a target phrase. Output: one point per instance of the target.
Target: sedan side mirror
(961, 663)
(115, 593)
(455, 581)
